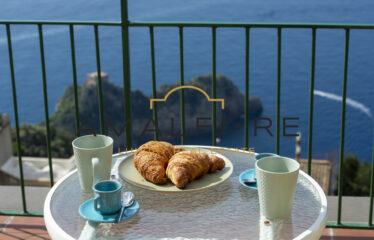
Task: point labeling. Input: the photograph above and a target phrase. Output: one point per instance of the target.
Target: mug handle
(95, 167)
(97, 206)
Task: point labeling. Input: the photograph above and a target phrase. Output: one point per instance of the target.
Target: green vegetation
(34, 143)
(356, 177)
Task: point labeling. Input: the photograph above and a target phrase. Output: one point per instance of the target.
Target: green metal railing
(124, 24)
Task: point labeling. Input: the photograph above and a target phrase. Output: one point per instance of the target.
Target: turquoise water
(296, 52)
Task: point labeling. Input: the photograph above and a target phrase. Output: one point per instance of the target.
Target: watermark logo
(191, 87)
(151, 126)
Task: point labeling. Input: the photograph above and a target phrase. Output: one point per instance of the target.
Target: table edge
(56, 232)
(319, 224)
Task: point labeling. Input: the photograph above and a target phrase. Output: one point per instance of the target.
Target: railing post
(75, 82)
(371, 189)
(154, 91)
(279, 57)
(45, 95)
(342, 128)
(214, 136)
(15, 106)
(181, 61)
(311, 101)
(99, 83)
(246, 105)
(126, 70)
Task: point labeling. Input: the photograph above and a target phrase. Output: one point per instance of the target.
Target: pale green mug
(276, 183)
(93, 157)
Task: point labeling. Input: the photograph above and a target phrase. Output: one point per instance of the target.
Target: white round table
(227, 211)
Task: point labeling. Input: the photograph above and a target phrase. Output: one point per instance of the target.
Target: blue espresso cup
(107, 196)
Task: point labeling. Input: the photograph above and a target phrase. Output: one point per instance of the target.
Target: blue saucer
(87, 211)
(245, 175)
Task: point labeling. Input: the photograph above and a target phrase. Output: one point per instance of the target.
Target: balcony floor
(17, 228)
(347, 234)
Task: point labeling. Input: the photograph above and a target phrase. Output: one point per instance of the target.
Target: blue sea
(296, 55)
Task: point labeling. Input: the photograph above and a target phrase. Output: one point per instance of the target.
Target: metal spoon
(127, 200)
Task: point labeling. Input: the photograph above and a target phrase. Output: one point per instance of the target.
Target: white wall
(5, 139)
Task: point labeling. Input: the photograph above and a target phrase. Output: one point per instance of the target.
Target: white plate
(128, 172)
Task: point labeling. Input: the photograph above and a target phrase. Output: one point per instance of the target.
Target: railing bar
(279, 56)
(248, 24)
(154, 92)
(352, 225)
(193, 24)
(74, 67)
(341, 154)
(246, 112)
(48, 22)
(311, 101)
(181, 61)
(126, 71)
(99, 84)
(214, 137)
(371, 189)
(20, 213)
(15, 107)
(45, 94)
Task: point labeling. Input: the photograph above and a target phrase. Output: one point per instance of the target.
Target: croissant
(151, 160)
(178, 149)
(186, 166)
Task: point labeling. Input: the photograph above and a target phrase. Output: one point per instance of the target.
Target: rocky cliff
(196, 106)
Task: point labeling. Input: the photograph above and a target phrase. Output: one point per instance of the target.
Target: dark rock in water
(196, 105)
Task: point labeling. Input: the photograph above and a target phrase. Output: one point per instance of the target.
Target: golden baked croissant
(151, 160)
(178, 149)
(186, 166)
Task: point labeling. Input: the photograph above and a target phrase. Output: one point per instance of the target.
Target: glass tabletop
(226, 211)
